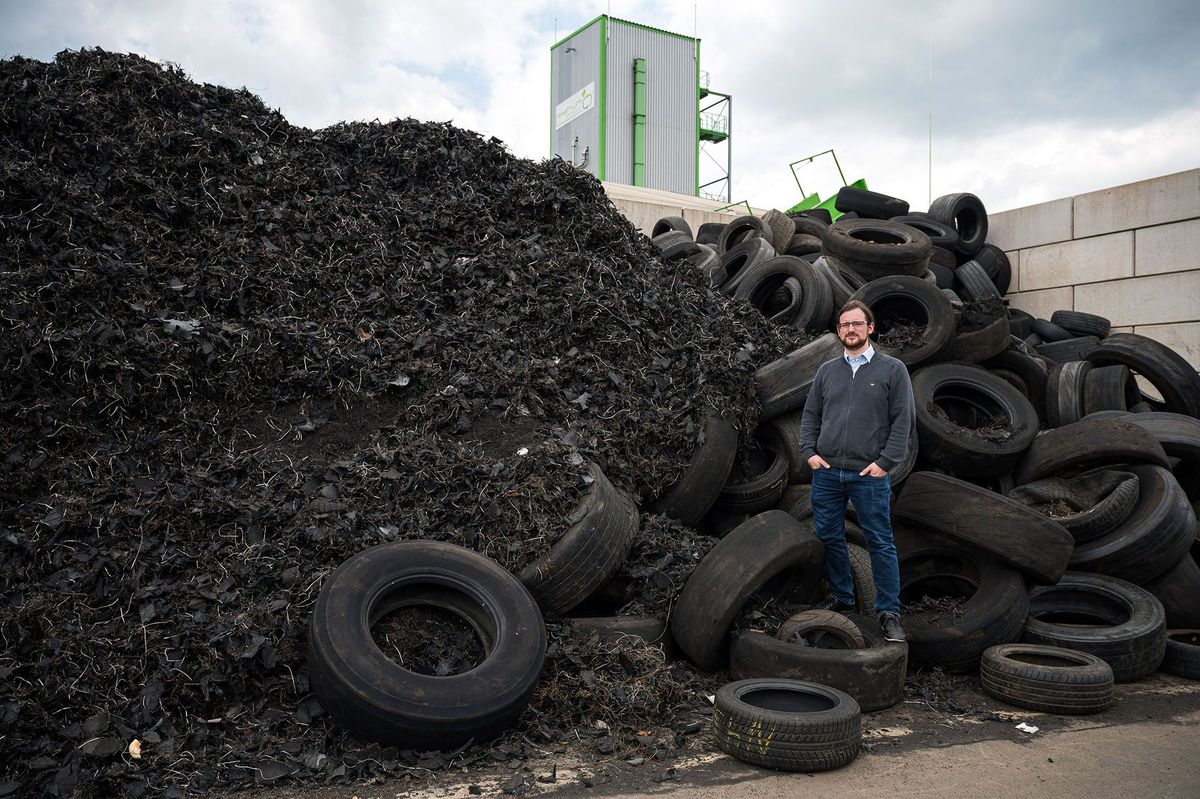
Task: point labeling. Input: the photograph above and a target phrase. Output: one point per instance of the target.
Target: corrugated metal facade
(671, 122)
(671, 141)
(574, 64)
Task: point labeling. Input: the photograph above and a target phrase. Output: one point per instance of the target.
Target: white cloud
(1031, 101)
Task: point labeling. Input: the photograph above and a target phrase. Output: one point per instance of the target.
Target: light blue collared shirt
(856, 361)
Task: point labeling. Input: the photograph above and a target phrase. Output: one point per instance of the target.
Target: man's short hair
(860, 305)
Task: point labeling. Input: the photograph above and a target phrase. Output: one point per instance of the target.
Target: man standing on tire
(855, 429)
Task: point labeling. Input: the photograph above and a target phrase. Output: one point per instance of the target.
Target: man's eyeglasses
(848, 325)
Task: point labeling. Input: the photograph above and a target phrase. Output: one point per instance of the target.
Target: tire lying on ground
(873, 675)
(1172, 376)
(1154, 537)
(1088, 506)
(909, 302)
(1110, 618)
(965, 213)
(960, 511)
(787, 725)
(994, 601)
(377, 699)
(1182, 656)
(696, 491)
(1088, 443)
(740, 564)
(877, 248)
(958, 410)
(783, 384)
(602, 528)
(1049, 679)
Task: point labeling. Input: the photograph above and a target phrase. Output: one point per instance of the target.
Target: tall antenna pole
(931, 118)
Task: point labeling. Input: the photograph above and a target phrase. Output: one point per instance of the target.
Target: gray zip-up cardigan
(853, 419)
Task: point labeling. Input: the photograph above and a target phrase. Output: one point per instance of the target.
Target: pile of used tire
(331, 455)
(1046, 515)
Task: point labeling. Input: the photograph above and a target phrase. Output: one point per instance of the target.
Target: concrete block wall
(1129, 253)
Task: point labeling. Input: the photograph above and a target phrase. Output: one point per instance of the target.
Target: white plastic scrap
(1029, 728)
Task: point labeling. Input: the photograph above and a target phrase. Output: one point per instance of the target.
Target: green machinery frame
(814, 200)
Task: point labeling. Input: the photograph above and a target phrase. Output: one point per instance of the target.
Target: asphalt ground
(1147, 745)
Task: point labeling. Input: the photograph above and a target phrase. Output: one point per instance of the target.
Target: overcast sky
(1031, 99)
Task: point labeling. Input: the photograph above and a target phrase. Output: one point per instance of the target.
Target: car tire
(976, 517)
(1047, 679)
(952, 402)
(787, 725)
(740, 564)
(377, 699)
(1110, 618)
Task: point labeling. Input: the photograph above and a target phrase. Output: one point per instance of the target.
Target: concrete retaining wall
(644, 207)
(1129, 253)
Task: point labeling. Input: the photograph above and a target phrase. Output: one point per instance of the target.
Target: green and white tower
(629, 104)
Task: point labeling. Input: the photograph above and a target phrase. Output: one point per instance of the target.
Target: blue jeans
(872, 498)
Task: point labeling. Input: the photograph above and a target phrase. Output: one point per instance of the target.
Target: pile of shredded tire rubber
(236, 352)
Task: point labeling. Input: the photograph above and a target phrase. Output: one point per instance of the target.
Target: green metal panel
(639, 122)
(603, 93)
(811, 201)
(551, 154)
(697, 117)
